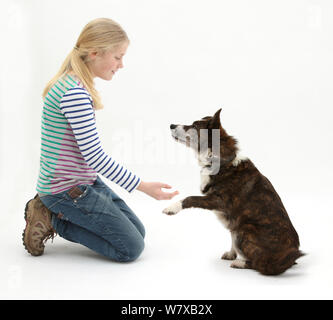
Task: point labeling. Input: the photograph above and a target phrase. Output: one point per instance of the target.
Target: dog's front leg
(202, 202)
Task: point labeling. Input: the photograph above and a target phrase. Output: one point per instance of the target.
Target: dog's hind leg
(241, 264)
(241, 261)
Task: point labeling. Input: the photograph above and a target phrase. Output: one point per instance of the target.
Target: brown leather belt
(75, 192)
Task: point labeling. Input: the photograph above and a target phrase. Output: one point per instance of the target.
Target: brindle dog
(263, 237)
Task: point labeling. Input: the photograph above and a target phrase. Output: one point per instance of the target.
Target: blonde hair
(99, 35)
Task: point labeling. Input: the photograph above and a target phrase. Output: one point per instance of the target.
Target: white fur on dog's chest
(205, 178)
(220, 215)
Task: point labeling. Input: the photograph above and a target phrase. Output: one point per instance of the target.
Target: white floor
(181, 261)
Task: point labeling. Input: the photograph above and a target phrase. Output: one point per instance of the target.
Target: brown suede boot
(38, 227)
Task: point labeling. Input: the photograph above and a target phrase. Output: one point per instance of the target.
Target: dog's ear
(216, 118)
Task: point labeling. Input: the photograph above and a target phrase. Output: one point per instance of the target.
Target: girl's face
(105, 65)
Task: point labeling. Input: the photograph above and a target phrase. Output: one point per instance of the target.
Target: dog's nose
(172, 126)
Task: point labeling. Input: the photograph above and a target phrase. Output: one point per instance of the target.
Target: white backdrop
(268, 64)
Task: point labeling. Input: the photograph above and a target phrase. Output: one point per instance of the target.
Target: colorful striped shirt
(71, 151)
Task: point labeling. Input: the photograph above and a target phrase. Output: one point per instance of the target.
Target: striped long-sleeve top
(71, 151)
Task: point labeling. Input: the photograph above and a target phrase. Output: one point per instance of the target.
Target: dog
(244, 200)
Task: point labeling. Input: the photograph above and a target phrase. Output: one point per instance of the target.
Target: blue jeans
(98, 219)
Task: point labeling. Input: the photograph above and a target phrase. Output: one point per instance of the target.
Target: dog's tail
(274, 264)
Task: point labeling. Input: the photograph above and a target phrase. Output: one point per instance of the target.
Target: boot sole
(23, 234)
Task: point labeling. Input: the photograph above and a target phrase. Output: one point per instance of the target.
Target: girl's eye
(117, 58)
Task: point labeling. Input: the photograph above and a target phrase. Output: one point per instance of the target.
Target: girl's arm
(76, 105)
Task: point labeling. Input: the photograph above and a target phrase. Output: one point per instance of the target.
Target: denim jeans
(97, 219)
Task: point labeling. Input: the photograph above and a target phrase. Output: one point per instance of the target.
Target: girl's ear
(92, 55)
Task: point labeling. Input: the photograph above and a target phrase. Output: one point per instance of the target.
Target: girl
(71, 199)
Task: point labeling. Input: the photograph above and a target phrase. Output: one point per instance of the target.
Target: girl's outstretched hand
(154, 189)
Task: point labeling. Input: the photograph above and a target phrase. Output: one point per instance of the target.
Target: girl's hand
(154, 189)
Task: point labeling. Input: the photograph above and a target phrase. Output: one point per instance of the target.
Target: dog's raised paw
(174, 208)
